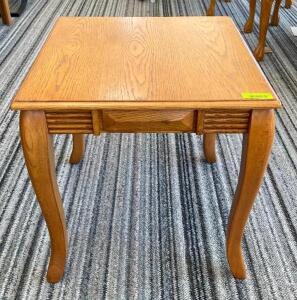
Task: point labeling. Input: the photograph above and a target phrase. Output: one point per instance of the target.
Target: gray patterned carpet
(146, 215)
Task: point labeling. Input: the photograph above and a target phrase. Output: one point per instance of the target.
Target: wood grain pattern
(148, 121)
(142, 59)
(5, 12)
(39, 158)
(200, 122)
(97, 121)
(255, 153)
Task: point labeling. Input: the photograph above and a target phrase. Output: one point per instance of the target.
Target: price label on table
(256, 96)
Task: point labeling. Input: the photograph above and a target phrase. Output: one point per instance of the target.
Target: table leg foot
(209, 147)
(288, 3)
(248, 27)
(259, 52)
(257, 145)
(39, 158)
(264, 22)
(78, 148)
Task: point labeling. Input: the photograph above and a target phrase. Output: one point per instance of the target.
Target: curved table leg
(288, 3)
(255, 152)
(275, 16)
(78, 148)
(209, 147)
(39, 158)
(264, 22)
(5, 12)
(248, 27)
(211, 8)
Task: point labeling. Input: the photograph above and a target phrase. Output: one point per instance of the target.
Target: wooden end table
(180, 74)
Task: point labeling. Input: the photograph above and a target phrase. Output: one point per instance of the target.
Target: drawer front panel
(148, 121)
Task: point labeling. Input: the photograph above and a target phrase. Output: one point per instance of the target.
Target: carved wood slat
(223, 121)
(69, 122)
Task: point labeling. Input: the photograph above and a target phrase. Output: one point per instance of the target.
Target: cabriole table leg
(209, 147)
(39, 158)
(211, 8)
(5, 12)
(256, 148)
(248, 27)
(264, 22)
(275, 16)
(78, 148)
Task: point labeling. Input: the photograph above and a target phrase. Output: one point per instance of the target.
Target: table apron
(166, 120)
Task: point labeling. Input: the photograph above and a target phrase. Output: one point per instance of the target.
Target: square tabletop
(177, 61)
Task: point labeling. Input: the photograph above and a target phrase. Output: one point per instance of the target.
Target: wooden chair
(266, 6)
(5, 12)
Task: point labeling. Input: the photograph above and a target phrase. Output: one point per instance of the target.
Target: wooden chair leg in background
(288, 3)
(255, 153)
(209, 147)
(211, 8)
(5, 12)
(264, 23)
(78, 148)
(248, 27)
(275, 16)
(39, 158)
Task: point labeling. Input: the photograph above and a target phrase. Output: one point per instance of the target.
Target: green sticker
(256, 96)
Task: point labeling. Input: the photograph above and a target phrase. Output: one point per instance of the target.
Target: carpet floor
(146, 215)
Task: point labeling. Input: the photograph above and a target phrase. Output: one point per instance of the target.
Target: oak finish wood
(288, 3)
(211, 8)
(148, 121)
(255, 153)
(209, 147)
(183, 120)
(97, 75)
(5, 12)
(142, 60)
(275, 16)
(39, 158)
(248, 27)
(132, 105)
(78, 148)
(266, 6)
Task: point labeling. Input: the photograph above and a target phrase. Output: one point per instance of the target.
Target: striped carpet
(145, 214)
